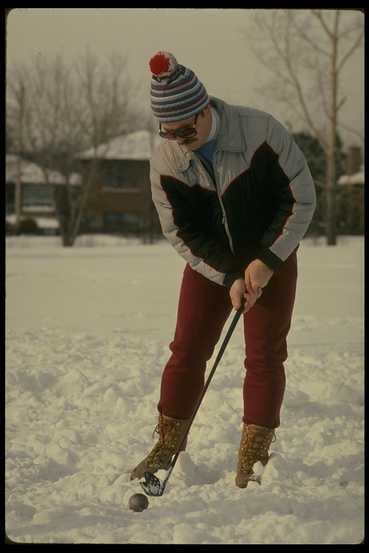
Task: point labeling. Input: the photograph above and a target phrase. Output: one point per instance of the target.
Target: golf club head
(152, 485)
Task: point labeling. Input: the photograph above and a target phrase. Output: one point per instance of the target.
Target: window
(122, 175)
(37, 195)
(117, 177)
(10, 197)
(122, 222)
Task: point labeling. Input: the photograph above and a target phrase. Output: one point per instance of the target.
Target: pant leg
(203, 309)
(266, 326)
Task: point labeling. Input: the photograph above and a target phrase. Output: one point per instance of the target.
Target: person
(234, 196)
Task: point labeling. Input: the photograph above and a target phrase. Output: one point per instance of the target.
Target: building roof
(32, 173)
(136, 145)
(356, 178)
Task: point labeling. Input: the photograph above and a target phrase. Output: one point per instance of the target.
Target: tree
(315, 156)
(106, 111)
(58, 111)
(43, 92)
(313, 45)
(150, 124)
(17, 123)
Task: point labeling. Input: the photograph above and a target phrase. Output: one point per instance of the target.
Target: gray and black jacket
(258, 204)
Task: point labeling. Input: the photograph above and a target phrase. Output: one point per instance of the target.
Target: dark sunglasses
(182, 132)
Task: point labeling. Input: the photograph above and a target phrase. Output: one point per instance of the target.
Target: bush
(9, 228)
(28, 226)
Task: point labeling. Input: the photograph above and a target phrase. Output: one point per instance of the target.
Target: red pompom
(159, 64)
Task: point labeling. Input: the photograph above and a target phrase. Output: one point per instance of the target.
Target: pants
(203, 309)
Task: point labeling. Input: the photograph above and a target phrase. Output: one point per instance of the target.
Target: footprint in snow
(194, 475)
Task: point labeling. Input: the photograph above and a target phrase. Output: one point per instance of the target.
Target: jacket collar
(230, 137)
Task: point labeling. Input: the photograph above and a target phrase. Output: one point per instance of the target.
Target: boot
(170, 434)
(254, 446)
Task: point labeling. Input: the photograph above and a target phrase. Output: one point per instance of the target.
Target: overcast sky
(208, 41)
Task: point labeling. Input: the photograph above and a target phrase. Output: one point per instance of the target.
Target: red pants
(202, 312)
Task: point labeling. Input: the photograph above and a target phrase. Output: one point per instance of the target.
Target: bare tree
(150, 124)
(17, 123)
(105, 111)
(49, 134)
(64, 111)
(313, 46)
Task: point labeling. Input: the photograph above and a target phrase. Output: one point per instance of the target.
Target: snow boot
(254, 446)
(170, 435)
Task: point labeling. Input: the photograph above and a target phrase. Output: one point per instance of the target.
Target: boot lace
(254, 447)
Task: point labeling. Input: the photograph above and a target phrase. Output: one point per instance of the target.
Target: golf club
(152, 486)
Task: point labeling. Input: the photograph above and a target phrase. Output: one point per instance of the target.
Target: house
(118, 175)
(350, 199)
(357, 178)
(30, 193)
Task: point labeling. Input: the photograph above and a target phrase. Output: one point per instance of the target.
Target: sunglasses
(183, 132)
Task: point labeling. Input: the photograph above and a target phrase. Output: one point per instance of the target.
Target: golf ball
(138, 502)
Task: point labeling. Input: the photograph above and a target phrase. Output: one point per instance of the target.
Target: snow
(42, 222)
(33, 173)
(38, 208)
(356, 178)
(135, 145)
(87, 334)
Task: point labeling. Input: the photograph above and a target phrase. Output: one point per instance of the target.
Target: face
(202, 124)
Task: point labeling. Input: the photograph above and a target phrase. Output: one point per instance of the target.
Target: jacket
(258, 205)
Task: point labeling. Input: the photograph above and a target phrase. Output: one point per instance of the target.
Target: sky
(209, 41)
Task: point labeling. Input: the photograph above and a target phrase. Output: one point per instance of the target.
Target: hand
(257, 275)
(238, 292)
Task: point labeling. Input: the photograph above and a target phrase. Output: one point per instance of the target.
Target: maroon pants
(202, 312)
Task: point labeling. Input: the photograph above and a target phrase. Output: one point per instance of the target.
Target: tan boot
(170, 434)
(254, 446)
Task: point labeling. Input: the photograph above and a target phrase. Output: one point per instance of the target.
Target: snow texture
(87, 334)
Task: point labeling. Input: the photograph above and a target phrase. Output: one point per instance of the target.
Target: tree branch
(319, 16)
(349, 30)
(322, 93)
(350, 51)
(286, 56)
(272, 66)
(353, 131)
(342, 101)
(307, 39)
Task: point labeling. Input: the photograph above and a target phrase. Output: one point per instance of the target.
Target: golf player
(234, 196)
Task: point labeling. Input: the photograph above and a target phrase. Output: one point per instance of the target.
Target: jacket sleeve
(294, 195)
(184, 231)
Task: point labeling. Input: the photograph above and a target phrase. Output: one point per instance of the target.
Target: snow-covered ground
(87, 334)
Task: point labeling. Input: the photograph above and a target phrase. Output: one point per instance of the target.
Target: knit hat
(176, 92)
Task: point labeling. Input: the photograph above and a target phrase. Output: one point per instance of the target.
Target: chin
(192, 145)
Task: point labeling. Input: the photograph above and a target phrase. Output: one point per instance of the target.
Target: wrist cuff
(270, 259)
(231, 277)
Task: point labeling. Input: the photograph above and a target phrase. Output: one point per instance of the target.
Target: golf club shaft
(216, 363)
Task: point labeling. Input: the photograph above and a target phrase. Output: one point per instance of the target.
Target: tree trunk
(88, 182)
(67, 240)
(64, 213)
(332, 139)
(331, 199)
(18, 201)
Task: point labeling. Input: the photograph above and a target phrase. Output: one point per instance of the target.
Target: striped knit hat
(176, 92)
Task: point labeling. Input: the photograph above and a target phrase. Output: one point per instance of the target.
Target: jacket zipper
(224, 220)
